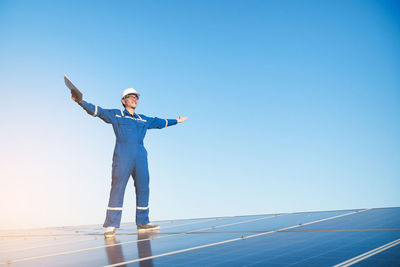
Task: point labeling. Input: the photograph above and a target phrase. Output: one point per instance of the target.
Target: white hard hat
(129, 91)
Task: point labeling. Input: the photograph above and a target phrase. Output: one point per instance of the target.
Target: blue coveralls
(130, 158)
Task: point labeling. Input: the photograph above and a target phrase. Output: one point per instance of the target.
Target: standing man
(130, 157)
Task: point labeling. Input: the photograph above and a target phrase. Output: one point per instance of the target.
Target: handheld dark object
(74, 90)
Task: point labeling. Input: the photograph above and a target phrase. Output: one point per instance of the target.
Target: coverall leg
(141, 178)
(120, 177)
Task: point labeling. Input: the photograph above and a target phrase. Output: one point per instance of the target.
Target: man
(130, 157)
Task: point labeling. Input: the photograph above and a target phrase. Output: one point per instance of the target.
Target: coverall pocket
(140, 124)
(124, 122)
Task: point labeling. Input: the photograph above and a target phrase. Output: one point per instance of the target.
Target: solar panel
(327, 238)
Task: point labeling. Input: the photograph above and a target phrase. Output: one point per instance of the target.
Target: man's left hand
(181, 119)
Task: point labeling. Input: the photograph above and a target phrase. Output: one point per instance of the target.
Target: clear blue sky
(292, 106)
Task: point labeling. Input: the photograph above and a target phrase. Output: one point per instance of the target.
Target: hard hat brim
(129, 91)
(131, 94)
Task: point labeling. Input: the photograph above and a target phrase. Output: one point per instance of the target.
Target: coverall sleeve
(158, 123)
(106, 115)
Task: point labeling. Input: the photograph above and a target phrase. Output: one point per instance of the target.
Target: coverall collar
(126, 112)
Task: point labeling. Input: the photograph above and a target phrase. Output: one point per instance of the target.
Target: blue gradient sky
(292, 106)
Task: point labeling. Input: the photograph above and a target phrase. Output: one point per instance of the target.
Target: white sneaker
(110, 231)
(148, 227)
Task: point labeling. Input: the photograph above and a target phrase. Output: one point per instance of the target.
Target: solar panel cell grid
(300, 239)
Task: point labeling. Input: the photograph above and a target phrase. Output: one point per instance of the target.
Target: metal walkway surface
(361, 237)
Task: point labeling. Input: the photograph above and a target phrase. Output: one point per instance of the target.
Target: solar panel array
(367, 237)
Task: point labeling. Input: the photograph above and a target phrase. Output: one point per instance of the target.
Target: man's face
(131, 100)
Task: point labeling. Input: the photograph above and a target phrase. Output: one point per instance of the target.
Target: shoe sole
(148, 229)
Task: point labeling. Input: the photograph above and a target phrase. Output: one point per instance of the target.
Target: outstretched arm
(158, 123)
(106, 115)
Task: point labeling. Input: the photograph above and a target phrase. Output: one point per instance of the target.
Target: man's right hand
(75, 98)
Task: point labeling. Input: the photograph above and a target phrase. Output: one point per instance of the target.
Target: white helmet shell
(129, 91)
